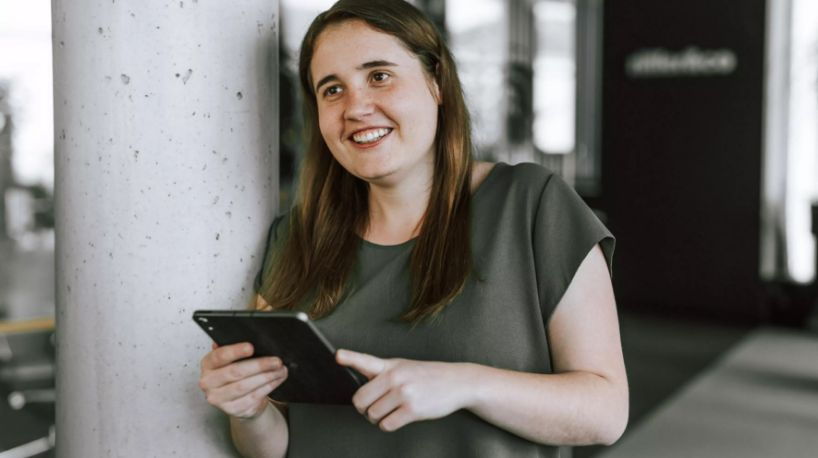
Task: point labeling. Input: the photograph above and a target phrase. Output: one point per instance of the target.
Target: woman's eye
(380, 76)
(332, 90)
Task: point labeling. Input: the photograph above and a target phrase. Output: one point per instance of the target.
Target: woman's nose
(359, 103)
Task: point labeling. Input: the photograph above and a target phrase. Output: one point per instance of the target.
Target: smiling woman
(475, 297)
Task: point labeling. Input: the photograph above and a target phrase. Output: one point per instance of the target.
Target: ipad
(313, 375)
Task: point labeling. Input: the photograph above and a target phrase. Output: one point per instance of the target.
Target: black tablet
(313, 375)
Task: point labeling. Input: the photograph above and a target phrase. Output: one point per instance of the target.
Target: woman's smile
(370, 137)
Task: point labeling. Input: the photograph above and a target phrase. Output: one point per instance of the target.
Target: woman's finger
(397, 419)
(383, 407)
(241, 370)
(368, 365)
(245, 405)
(225, 355)
(236, 390)
(372, 391)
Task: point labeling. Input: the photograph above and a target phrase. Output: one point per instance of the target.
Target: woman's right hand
(239, 389)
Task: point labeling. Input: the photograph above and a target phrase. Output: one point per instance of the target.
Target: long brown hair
(332, 206)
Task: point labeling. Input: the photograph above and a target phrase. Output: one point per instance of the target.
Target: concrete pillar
(166, 179)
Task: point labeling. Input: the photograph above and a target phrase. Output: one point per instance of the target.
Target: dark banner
(683, 86)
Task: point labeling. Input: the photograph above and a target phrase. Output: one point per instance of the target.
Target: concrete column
(166, 179)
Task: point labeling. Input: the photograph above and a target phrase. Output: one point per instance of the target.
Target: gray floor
(759, 400)
(662, 355)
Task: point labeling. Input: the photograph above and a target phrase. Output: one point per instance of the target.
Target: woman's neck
(396, 212)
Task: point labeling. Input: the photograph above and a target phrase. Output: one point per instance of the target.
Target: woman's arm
(265, 435)
(584, 402)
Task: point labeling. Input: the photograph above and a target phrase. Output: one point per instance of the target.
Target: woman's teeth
(370, 135)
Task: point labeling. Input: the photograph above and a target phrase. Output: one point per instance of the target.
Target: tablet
(313, 375)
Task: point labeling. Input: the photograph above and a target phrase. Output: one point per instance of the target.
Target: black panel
(681, 158)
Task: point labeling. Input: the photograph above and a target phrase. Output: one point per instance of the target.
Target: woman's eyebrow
(376, 63)
(364, 66)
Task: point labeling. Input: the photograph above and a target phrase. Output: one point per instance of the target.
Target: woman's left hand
(401, 391)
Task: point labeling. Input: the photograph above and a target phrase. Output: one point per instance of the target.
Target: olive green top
(530, 231)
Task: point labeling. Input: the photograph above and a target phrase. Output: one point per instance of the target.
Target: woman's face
(377, 110)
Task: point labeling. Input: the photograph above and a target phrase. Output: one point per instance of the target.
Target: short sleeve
(274, 239)
(565, 231)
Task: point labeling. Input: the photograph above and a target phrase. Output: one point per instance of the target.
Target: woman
(476, 296)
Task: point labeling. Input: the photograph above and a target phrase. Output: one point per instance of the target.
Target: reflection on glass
(476, 30)
(802, 143)
(554, 76)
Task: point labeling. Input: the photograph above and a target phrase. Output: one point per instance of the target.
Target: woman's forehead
(350, 44)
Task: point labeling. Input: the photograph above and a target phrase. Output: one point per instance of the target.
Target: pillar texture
(165, 182)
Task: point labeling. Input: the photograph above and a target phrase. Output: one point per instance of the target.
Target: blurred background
(689, 126)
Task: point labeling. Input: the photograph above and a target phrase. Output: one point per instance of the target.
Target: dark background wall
(681, 158)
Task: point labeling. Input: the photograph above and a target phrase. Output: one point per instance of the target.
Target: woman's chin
(372, 171)
(378, 178)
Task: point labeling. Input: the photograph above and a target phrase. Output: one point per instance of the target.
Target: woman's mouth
(370, 137)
